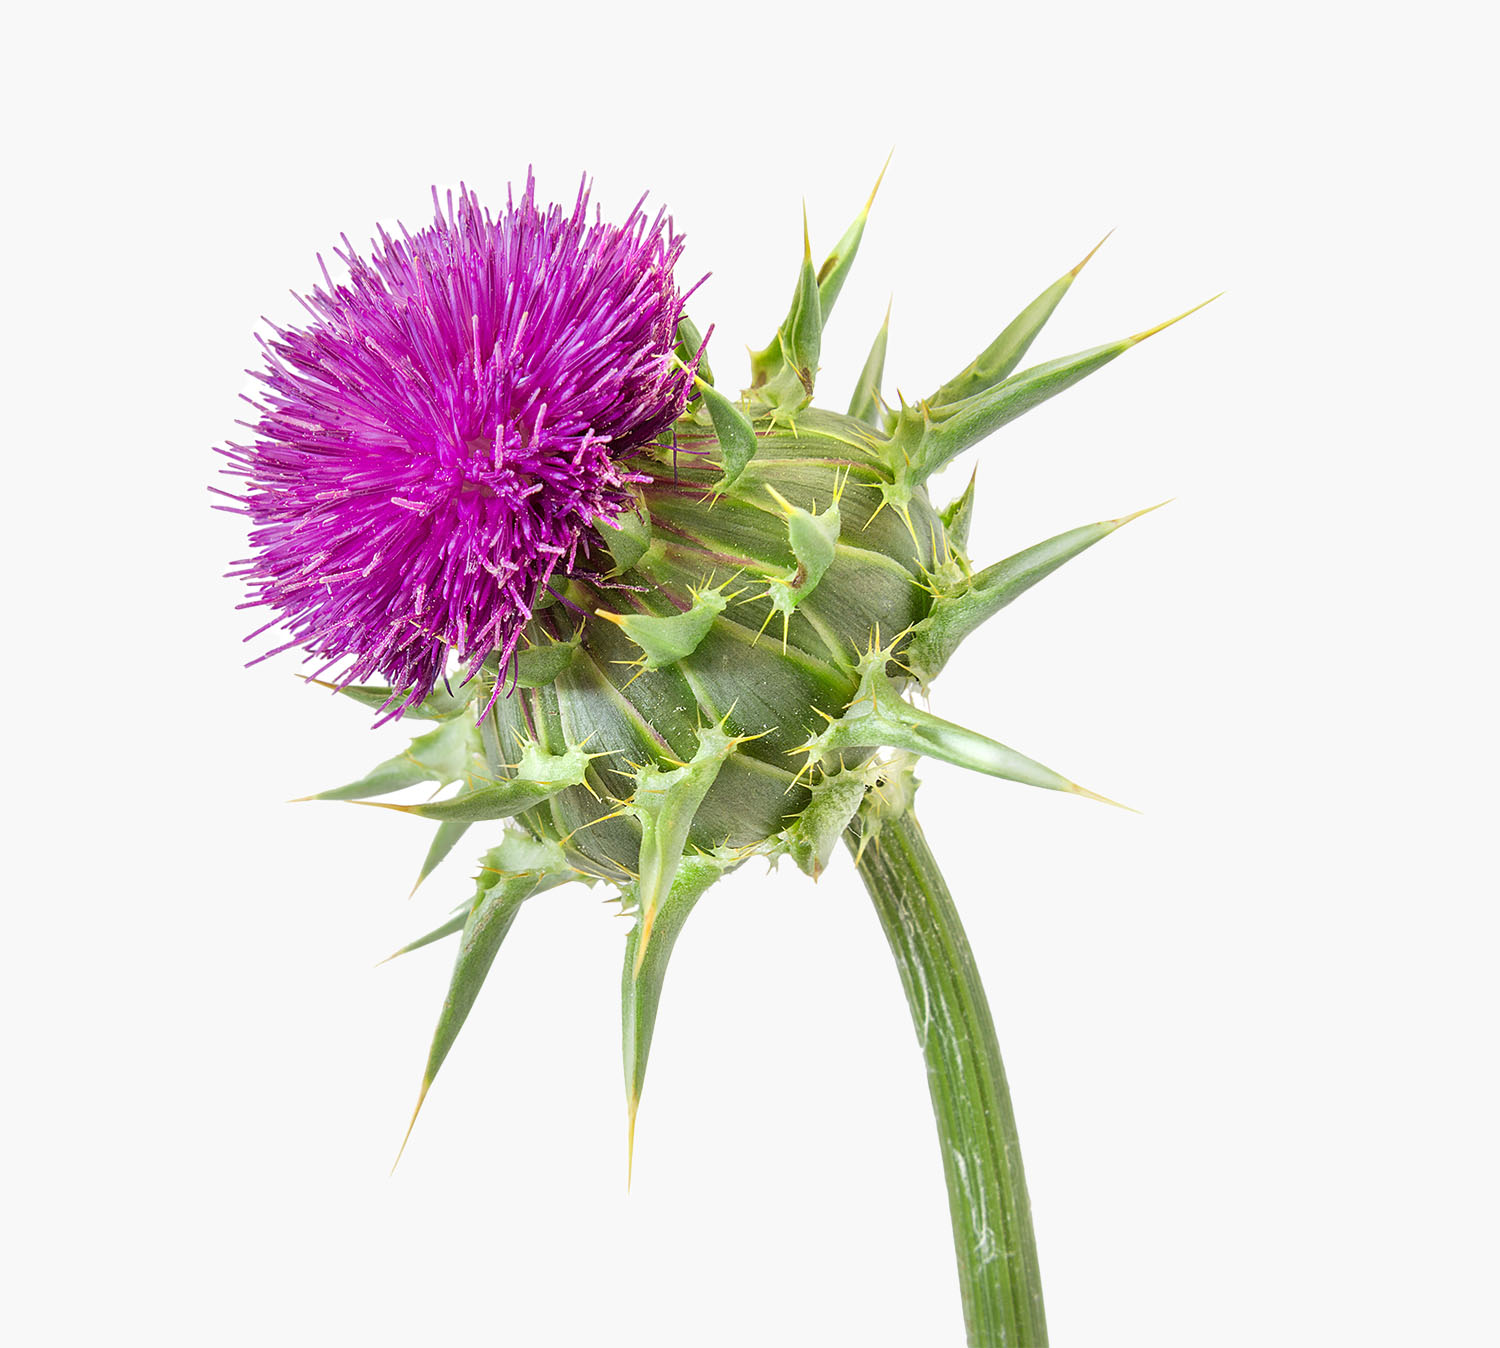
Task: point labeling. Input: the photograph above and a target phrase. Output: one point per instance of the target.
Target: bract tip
(648, 921)
(632, 1103)
(426, 1084)
(1077, 790)
(1091, 253)
(880, 179)
(1126, 519)
(1151, 332)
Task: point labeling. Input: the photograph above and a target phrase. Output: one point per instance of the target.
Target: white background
(1250, 1032)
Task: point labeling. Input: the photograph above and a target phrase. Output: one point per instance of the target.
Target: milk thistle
(657, 628)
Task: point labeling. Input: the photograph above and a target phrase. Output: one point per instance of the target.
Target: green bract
(736, 684)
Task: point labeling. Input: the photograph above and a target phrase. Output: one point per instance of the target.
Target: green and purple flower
(690, 620)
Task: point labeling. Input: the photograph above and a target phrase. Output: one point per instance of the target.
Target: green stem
(997, 1266)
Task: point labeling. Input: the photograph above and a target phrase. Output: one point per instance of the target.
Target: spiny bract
(726, 676)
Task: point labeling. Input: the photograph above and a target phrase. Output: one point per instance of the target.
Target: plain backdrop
(1250, 1031)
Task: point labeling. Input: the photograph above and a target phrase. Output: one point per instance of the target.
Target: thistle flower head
(734, 682)
(431, 447)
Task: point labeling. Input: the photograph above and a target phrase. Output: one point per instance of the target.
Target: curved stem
(997, 1266)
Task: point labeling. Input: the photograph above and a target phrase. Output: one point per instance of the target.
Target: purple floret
(434, 444)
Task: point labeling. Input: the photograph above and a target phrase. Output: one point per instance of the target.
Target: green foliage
(645, 971)
(958, 515)
(1002, 355)
(538, 777)
(445, 755)
(736, 435)
(879, 717)
(689, 344)
(509, 874)
(627, 537)
(664, 803)
(814, 540)
(664, 640)
(956, 614)
(865, 403)
(814, 834)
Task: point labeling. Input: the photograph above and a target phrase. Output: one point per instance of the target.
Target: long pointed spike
(648, 923)
(1075, 789)
(641, 985)
(509, 875)
(1162, 327)
(422, 1096)
(937, 433)
(880, 178)
(1090, 255)
(955, 615)
(897, 724)
(836, 266)
(997, 361)
(632, 1103)
(864, 404)
(451, 927)
(1123, 520)
(444, 841)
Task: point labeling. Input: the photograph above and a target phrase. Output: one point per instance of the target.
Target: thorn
(426, 1084)
(648, 920)
(631, 1104)
(780, 500)
(876, 188)
(609, 617)
(1092, 251)
(1151, 332)
(905, 513)
(603, 818)
(1125, 519)
(1077, 790)
(770, 613)
(297, 800)
(806, 240)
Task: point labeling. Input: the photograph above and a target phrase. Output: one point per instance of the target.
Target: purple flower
(433, 445)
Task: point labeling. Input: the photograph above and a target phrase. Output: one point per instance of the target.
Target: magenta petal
(432, 445)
